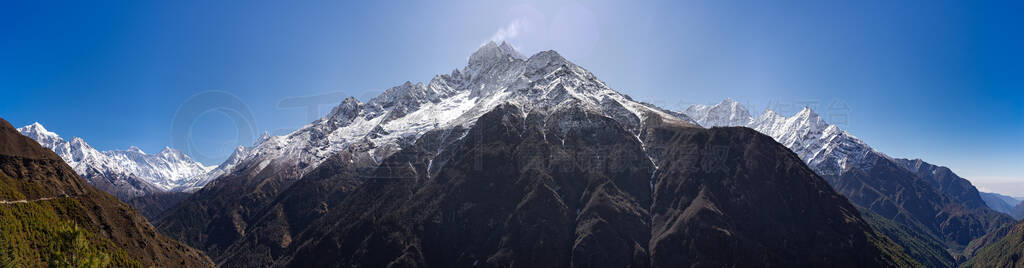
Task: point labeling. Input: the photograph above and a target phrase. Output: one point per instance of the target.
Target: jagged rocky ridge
(152, 183)
(126, 173)
(373, 130)
(925, 198)
(389, 170)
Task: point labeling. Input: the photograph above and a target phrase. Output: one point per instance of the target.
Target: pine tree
(72, 249)
(8, 259)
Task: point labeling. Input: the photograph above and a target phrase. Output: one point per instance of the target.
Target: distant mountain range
(928, 199)
(533, 161)
(1006, 204)
(150, 182)
(168, 170)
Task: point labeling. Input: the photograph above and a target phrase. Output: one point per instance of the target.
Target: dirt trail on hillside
(22, 201)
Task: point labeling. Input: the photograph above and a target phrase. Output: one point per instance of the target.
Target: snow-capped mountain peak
(811, 119)
(726, 113)
(37, 132)
(826, 148)
(171, 153)
(166, 170)
(495, 74)
(768, 112)
(491, 52)
(135, 149)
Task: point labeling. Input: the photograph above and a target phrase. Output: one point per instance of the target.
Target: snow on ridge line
(166, 170)
(825, 147)
(495, 74)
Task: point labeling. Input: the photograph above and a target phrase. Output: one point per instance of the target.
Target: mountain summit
(527, 161)
(372, 131)
(492, 52)
(727, 113)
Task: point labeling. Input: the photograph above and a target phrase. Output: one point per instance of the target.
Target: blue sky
(937, 80)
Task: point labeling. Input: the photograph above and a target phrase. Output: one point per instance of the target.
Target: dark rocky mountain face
(236, 204)
(974, 220)
(725, 190)
(947, 182)
(46, 202)
(296, 208)
(896, 193)
(498, 188)
(575, 189)
(218, 215)
(338, 193)
(927, 199)
(321, 191)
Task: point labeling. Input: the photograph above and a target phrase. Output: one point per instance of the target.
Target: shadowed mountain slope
(576, 189)
(927, 199)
